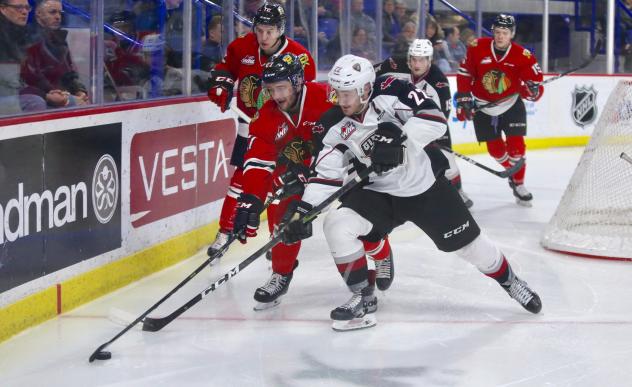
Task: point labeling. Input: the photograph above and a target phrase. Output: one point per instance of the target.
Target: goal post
(594, 216)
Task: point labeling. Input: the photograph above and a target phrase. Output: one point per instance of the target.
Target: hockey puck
(103, 355)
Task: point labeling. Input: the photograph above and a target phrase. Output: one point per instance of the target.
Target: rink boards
(112, 194)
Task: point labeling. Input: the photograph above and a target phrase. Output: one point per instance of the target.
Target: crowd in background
(46, 50)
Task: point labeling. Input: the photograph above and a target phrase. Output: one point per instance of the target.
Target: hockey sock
(497, 149)
(456, 182)
(504, 274)
(355, 274)
(516, 148)
(228, 214)
(377, 250)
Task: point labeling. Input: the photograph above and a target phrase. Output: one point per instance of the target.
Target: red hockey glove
(531, 91)
(464, 106)
(247, 217)
(221, 90)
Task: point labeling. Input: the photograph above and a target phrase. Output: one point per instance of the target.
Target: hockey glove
(295, 230)
(388, 148)
(531, 91)
(464, 106)
(221, 90)
(247, 217)
(292, 181)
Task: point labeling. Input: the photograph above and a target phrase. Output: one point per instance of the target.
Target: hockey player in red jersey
(386, 124)
(499, 71)
(280, 148)
(243, 64)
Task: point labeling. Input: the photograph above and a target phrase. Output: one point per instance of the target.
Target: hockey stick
(584, 64)
(502, 174)
(156, 324)
(625, 157)
(100, 354)
(240, 113)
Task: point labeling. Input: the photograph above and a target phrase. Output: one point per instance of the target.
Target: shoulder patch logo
(391, 61)
(441, 85)
(347, 130)
(526, 53)
(474, 43)
(387, 83)
(248, 60)
(281, 131)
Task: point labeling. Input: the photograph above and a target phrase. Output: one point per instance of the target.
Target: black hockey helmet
(270, 14)
(504, 20)
(284, 67)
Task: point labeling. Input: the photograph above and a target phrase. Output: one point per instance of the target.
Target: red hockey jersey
(244, 61)
(272, 129)
(489, 78)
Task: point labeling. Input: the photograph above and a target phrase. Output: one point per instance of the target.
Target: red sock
(517, 148)
(497, 149)
(377, 250)
(354, 273)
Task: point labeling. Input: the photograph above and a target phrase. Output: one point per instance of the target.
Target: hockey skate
(269, 295)
(520, 291)
(523, 197)
(357, 313)
(384, 272)
(466, 199)
(220, 240)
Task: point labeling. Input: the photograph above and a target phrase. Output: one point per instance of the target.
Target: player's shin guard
(490, 261)
(382, 255)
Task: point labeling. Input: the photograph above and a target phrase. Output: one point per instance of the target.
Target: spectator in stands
(401, 13)
(359, 19)
(48, 69)
(125, 66)
(390, 26)
(468, 36)
(13, 43)
(456, 48)
(441, 56)
(360, 45)
(406, 36)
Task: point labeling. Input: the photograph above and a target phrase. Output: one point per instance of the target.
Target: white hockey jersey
(351, 138)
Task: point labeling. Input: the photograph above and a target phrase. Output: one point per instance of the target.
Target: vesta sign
(177, 169)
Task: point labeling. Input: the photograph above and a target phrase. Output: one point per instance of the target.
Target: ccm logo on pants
(457, 230)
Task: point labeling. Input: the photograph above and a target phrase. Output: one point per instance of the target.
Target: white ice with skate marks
(441, 323)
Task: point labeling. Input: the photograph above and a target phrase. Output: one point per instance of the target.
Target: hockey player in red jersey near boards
(243, 64)
(500, 71)
(280, 148)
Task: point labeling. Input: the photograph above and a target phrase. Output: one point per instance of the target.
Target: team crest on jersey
(247, 87)
(254, 118)
(347, 130)
(495, 82)
(387, 83)
(584, 109)
(526, 53)
(248, 60)
(281, 131)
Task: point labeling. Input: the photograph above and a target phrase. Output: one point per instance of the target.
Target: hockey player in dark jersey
(418, 69)
(387, 124)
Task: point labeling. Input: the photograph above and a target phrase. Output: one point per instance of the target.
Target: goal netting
(594, 217)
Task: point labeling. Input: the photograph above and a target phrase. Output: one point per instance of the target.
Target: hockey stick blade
(155, 324)
(502, 174)
(99, 354)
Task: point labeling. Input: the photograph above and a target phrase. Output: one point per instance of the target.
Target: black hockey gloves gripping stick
(156, 324)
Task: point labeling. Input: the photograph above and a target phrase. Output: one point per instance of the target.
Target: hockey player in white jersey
(418, 69)
(387, 123)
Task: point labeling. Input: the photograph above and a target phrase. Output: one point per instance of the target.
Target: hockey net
(594, 217)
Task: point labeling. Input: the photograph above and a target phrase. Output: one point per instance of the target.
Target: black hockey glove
(247, 217)
(292, 181)
(296, 230)
(464, 106)
(221, 90)
(388, 148)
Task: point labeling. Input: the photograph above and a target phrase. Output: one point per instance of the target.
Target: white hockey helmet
(352, 73)
(420, 47)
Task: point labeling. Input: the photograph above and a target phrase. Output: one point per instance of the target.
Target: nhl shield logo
(584, 109)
